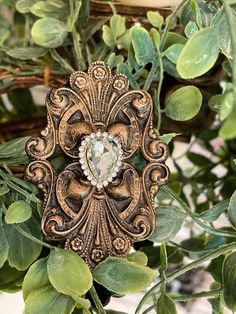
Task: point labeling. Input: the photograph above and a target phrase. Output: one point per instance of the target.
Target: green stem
(195, 218)
(168, 25)
(198, 295)
(150, 77)
(97, 301)
(80, 63)
(184, 298)
(224, 249)
(231, 24)
(55, 55)
(158, 94)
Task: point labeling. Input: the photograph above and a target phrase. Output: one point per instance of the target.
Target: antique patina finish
(99, 204)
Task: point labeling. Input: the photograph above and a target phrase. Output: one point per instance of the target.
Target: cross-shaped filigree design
(99, 204)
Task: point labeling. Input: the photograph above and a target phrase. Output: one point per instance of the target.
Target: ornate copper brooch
(99, 204)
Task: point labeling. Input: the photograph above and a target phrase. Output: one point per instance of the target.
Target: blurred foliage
(187, 62)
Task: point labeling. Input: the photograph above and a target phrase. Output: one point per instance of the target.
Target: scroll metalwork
(98, 204)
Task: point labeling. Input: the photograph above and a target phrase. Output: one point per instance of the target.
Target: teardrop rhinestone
(103, 155)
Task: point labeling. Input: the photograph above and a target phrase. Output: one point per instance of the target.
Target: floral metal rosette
(99, 204)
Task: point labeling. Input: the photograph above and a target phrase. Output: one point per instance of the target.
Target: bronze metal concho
(99, 204)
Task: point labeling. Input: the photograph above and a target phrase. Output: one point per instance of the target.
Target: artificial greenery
(190, 48)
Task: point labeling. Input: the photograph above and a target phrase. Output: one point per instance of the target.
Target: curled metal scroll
(97, 221)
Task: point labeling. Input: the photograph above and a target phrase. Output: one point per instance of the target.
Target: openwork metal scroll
(99, 204)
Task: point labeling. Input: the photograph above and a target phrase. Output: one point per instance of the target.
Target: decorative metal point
(99, 204)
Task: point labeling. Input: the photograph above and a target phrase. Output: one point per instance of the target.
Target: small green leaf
(68, 273)
(215, 268)
(10, 278)
(173, 52)
(143, 45)
(117, 24)
(198, 159)
(35, 278)
(138, 257)
(155, 18)
(156, 37)
(190, 29)
(48, 300)
(23, 6)
(26, 53)
(214, 213)
(215, 102)
(229, 281)
(169, 222)
(49, 8)
(4, 189)
(228, 130)
(49, 32)
(107, 36)
(199, 54)
(113, 61)
(165, 305)
(232, 209)
(122, 277)
(4, 247)
(226, 104)
(13, 148)
(167, 138)
(184, 103)
(18, 212)
(22, 252)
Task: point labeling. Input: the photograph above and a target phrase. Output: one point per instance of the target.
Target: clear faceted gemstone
(102, 156)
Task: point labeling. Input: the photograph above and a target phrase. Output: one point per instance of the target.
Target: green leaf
(143, 45)
(190, 29)
(4, 247)
(48, 300)
(49, 32)
(26, 53)
(10, 278)
(114, 312)
(155, 18)
(23, 6)
(107, 36)
(173, 52)
(228, 130)
(122, 277)
(215, 268)
(49, 8)
(229, 281)
(169, 222)
(198, 160)
(138, 257)
(117, 24)
(214, 213)
(215, 102)
(167, 138)
(18, 212)
(68, 273)
(26, 105)
(4, 189)
(226, 104)
(165, 305)
(199, 54)
(113, 61)
(13, 148)
(232, 209)
(36, 277)
(184, 103)
(22, 251)
(224, 37)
